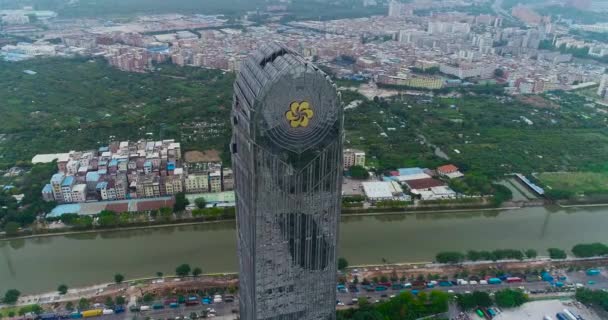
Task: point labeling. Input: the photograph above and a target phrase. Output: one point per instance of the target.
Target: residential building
(449, 171)
(79, 193)
(56, 181)
(197, 183)
(602, 90)
(227, 179)
(215, 181)
(288, 171)
(47, 193)
(353, 157)
(66, 188)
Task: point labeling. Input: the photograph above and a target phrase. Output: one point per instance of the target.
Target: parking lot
(352, 187)
(538, 309)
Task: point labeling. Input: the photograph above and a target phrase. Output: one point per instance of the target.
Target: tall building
(602, 90)
(287, 158)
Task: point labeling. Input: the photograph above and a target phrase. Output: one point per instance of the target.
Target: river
(40, 264)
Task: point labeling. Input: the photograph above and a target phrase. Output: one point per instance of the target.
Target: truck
(569, 314)
(494, 281)
(561, 316)
(418, 285)
(144, 308)
(173, 305)
(593, 272)
(514, 280)
(158, 306)
(75, 315)
(119, 309)
(106, 312)
(480, 313)
(547, 318)
(92, 313)
(48, 316)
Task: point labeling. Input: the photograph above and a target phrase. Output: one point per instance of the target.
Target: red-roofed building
(118, 207)
(423, 183)
(450, 171)
(148, 205)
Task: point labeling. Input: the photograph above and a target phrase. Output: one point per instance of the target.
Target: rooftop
(424, 183)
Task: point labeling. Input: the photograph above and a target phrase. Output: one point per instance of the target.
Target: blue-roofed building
(104, 149)
(101, 185)
(113, 163)
(147, 166)
(102, 172)
(47, 193)
(171, 166)
(92, 176)
(68, 181)
(57, 178)
(410, 171)
(60, 210)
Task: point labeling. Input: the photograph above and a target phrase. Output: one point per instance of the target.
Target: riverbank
(354, 213)
(42, 263)
(405, 270)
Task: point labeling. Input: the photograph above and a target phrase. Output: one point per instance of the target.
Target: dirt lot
(537, 101)
(202, 156)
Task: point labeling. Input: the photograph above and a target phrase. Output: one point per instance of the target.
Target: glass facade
(287, 159)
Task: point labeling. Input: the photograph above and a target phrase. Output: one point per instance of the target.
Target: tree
(531, 253)
(181, 202)
(482, 299)
(119, 278)
(11, 296)
(197, 272)
(11, 314)
(200, 202)
(183, 270)
(342, 264)
(63, 289)
(499, 73)
(148, 297)
(120, 300)
(69, 306)
(358, 172)
(159, 274)
(509, 298)
(11, 228)
(83, 304)
(586, 250)
(449, 257)
(555, 253)
(109, 302)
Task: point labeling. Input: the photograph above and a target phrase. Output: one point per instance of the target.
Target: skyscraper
(287, 160)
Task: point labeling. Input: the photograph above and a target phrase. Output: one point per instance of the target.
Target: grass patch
(576, 182)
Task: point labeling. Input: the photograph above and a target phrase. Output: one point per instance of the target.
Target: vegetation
(509, 298)
(62, 289)
(83, 304)
(592, 297)
(197, 272)
(571, 184)
(181, 202)
(472, 255)
(183, 270)
(405, 307)
(449, 257)
(358, 172)
(468, 301)
(200, 202)
(590, 250)
(11, 296)
(119, 278)
(531, 253)
(555, 253)
(342, 264)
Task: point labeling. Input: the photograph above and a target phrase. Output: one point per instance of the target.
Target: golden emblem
(299, 114)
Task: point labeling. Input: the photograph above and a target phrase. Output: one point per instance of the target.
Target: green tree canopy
(197, 271)
(449, 257)
(342, 263)
(181, 202)
(11, 228)
(119, 278)
(531, 253)
(63, 289)
(586, 250)
(200, 202)
(11, 296)
(555, 253)
(509, 298)
(358, 172)
(183, 270)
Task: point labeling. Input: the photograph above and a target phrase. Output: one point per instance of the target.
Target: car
(384, 296)
(392, 296)
(355, 300)
(376, 301)
(340, 303)
(450, 291)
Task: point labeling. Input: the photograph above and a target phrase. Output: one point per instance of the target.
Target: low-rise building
(215, 181)
(449, 171)
(197, 183)
(353, 157)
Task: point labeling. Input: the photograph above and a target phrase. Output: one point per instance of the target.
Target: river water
(40, 264)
